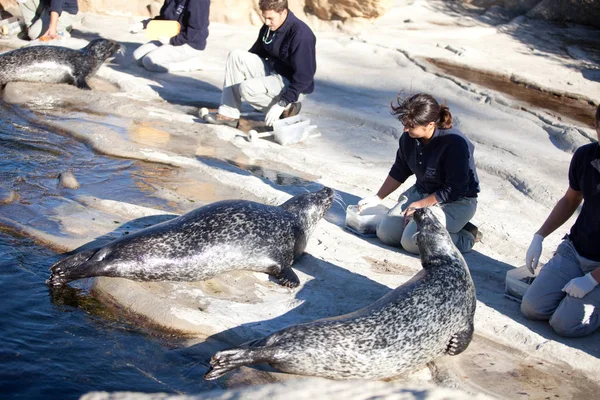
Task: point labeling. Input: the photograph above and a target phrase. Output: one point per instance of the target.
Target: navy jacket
(59, 6)
(291, 50)
(584, 176)
(444, 166)
(192, 15)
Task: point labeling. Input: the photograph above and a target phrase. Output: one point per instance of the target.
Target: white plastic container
(291, 130)
(365, 222)
(518, 281)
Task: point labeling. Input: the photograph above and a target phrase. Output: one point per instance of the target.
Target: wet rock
(8, 196)
(68, 180)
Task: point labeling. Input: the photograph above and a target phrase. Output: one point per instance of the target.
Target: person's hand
(579, 287)
(273, 114)
(409, 211)
(533, 253)
(368, 202)
(50, 34)
(137, 27)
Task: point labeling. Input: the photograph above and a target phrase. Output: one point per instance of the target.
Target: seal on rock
(426, 317)
(55, 64)
(219, 237)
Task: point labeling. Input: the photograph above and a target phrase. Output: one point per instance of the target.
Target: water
(63, 345)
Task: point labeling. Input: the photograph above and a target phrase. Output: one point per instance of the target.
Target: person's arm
(387, 187)
(304, 65)
(562, 211)
(196, 31)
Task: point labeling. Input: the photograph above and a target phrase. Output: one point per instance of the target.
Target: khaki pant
(545, 300)
(250, 78)
(454, 216)
(37, 19)
(158, 57)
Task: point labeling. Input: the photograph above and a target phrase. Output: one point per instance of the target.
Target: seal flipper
(285, 276)
(81, 83)
(67, 269)
(460, 341)
(228, 360)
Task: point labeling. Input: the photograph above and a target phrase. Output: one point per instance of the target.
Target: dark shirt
(59, 6)
(291, 50)
(444, 166)
(584, 176)
(192, 15)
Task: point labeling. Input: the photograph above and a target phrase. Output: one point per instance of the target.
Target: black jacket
(444, 166)
(291, 50)
(59, 6)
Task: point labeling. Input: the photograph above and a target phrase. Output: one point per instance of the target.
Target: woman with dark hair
(441, 158)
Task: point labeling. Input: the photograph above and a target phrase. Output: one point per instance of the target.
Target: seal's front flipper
(228, 360)
(459, 342)
(286, 277)
(81, 83)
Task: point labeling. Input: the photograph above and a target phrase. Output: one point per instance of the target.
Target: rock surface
(306, 389)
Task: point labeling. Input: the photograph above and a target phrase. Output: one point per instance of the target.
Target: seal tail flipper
(69, 268)
(227, 360)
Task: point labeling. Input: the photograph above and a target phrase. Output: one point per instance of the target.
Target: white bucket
(291, 130)
(365, 222)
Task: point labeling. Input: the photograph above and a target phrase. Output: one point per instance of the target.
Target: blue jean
(453, 216)
(545, 300)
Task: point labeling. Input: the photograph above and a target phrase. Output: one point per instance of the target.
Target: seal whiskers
(428, 316)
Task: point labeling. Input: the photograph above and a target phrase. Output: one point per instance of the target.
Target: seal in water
(219, 237)
(54, 64)
(426, 317)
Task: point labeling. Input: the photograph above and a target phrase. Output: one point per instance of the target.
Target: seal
(428, 316)
(219, 237)
(55, 64)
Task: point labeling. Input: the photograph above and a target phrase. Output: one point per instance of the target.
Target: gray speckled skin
(54, 64)
(426, 317)
(219, 237)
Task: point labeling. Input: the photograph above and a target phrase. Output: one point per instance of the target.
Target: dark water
(67, 344)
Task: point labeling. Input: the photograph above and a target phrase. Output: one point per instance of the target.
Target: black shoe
(212, 119)
(473, 230)
(292, 110)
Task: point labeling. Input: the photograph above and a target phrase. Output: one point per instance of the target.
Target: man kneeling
(275, 74)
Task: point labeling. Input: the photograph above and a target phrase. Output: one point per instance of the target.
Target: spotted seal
(426, 317)
(55, 64)
(219, 237)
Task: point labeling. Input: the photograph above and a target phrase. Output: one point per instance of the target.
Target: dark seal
(219, 237)
(54, 64)
(426, 317)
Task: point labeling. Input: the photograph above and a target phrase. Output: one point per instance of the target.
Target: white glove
(368, 202)
(533, 253)
(137, 27)
(273, 114)
(579, 287)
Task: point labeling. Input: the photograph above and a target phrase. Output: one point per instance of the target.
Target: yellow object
(159, 28)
